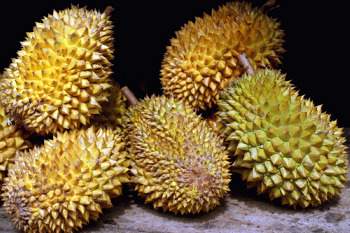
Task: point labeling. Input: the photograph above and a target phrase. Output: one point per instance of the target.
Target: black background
(316, 41)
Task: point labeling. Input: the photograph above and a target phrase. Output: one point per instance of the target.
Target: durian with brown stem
(202, 59)
(64, 184)
(178, 162)
(60, 77)
(282, 143)
(11, 141)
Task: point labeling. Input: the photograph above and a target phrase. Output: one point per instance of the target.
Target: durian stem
(245, 63)
(270, 5)
(108, 10)
(129, 95)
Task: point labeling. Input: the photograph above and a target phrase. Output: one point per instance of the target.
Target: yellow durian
(64, 184)
(61, 74)
(178, 162)
(203, 56)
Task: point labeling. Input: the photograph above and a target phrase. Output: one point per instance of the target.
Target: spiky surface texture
(202, 58)
(180, 164)
(283, 144)
(60, 76)
(216, 125)
(64, 184)
(114, 110)
(11, 141)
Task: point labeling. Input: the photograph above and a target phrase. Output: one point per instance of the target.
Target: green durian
(282, 143)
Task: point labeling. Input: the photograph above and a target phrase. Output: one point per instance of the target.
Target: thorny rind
(179, 163)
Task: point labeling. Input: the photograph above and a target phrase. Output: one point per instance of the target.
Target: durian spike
(114, 110)
(245, 63)
(12, 140)
(129, 95)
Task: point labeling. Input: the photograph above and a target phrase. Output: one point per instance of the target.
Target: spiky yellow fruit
(65, 183)
(11, 141)
(179, 163)
(114, 110)
(202, 59)
(61, 74)
(283, 144)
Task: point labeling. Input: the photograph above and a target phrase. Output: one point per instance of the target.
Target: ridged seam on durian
(202, 58)
(61, 75)
(283, 144)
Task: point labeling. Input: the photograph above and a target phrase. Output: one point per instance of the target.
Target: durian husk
(282, 143)
(12, 140)
(215, 124)
(178, 162)
(114, 111)
(64, 184)
(202, 58)
(60, 77)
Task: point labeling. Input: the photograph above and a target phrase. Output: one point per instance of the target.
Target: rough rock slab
(242, 211)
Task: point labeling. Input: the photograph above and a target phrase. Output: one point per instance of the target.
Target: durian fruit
(178, 162)
(114, 110)
(283, 144)
(61, 75)
(11, 141)
(203, 57)
(215, 124)
(64, 184)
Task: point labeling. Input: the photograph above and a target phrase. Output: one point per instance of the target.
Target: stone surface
(242, 211)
